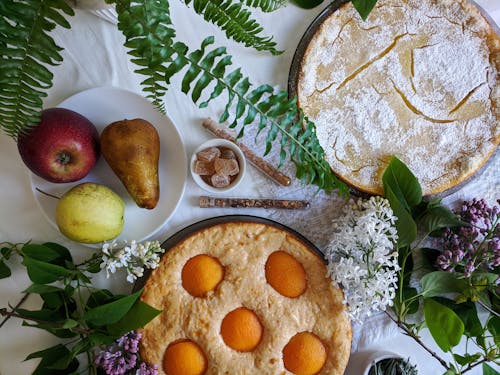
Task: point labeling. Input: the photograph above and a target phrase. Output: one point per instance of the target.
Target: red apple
(63, 147)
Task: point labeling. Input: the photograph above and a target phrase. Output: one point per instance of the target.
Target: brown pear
(132, 150)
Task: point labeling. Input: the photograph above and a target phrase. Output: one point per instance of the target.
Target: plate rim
(182, 189)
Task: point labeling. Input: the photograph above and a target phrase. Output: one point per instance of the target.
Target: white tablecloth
(93, 57)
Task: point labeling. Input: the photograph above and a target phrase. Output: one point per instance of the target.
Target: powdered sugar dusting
(415, 81)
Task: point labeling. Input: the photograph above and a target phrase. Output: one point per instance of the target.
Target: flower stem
(409, 333)
(491, 311)
(7, 317)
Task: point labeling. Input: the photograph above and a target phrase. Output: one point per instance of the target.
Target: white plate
(103, 106)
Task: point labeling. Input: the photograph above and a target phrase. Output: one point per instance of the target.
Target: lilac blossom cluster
(475, 246)
(122, 357)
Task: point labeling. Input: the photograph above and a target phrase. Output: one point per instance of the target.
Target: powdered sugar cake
(419, 79)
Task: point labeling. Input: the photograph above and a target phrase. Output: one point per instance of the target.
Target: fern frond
(26, 47)
(265, 5)
(207, 76)
(146, 26)
(236, 22)
(286, 126)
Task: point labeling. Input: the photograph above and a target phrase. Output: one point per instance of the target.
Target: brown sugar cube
(204, 168)
(208, 154)
(219, 180)
(227, 153)
(228, 167)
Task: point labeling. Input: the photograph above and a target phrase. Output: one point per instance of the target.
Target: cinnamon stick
(207, 202)
(256, 161)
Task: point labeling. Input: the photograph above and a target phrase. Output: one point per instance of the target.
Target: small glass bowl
(219, 142)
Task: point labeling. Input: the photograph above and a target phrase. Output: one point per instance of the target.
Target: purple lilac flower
(147, 369)
(475, 246)
(121, 357)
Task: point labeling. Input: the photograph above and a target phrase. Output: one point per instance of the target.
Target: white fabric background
(94, 56)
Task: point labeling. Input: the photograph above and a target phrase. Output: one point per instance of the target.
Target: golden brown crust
(350, 64)
(243, 249)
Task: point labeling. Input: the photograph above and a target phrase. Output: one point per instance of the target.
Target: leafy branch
(26, 47)
(449, 321)
(72, 308)
(265, 5)
(206, 70)
(236, 21)
(27, 51)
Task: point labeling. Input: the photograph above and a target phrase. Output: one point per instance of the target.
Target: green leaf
(408, 293)
(488, 370)
(405, 225)
(42, 289)
(307, 4)
(28, 51)
(467, 312)
(50, 357)
(112, 312)
(444, 325)
(4, 270)
(61, 250)
(466, 358)
(70, 323)
(40, 252)
(265, 5)
(435, 218)
(236, 21)
(429, 257)
(493, 326)
(364, 7)
(403, 184)
(42, 314)
(100, 297)
(44, 273)
(53, 300)
(56, 331)
(137, 317)
(441, 282)
(98, 339)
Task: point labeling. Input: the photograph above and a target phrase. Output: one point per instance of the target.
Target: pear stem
(47, 194)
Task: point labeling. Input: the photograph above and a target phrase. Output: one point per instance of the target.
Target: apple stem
(47, 194)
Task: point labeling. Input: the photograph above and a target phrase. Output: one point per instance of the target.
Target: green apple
(90, 213)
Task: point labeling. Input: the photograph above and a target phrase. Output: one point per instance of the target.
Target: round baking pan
(203, 224)
(294, 74)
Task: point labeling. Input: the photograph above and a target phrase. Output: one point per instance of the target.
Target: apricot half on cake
(201, 274)
(286, 274)
(184, 357)
(241, 330)
(304, 354)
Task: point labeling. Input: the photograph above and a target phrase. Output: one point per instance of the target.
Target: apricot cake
(245, 298)
(419, 79)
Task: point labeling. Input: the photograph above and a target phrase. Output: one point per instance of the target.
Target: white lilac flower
(133, 257)
(362, 258)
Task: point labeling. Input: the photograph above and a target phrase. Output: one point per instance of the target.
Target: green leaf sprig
(449, 321)
(82, 316)
(26, 48)
(236, 21)
(206, 77)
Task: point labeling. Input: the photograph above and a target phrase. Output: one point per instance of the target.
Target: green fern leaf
(26, 47)
(206, 67)
(279, 115)
(265, 5)
(147, 28)
(236, 21)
